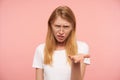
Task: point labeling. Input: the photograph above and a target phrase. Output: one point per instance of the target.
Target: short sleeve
(83, 48)
(37, 60)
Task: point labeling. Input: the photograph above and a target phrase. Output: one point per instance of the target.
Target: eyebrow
(62, 25)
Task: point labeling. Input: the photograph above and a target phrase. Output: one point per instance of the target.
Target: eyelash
(63, 26)
(66, 26)
(57, 25)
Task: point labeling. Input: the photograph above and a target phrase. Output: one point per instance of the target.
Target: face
(61, 29)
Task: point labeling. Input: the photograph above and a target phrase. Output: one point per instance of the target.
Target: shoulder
(40, 47)
(83, 47)
(82, 44)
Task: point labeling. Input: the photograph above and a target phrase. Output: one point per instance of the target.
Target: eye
(57, 26)
(66, 26)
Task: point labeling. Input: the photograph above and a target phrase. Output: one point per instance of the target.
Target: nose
(61, 31)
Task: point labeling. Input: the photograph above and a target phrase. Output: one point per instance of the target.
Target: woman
(53, 58)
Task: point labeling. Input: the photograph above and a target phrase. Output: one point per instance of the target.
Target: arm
(78, 65)
(39, 74)
(78, 71)
(83, 68)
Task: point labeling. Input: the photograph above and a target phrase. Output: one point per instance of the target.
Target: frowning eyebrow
(65, 25)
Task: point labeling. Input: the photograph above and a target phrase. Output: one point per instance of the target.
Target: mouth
(60, 37)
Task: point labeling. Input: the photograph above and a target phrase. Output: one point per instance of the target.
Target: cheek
(68, 33)
(54, 32)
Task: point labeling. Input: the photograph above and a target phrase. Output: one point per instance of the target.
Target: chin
(60, 41)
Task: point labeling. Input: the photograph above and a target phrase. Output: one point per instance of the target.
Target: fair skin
(61, 30)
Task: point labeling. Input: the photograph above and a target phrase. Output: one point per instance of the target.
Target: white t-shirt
(60, 69)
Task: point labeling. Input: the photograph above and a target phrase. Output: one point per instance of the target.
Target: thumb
(71, 58)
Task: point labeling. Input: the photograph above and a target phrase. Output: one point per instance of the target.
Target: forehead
(61, 21)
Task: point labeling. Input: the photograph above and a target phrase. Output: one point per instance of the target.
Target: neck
(60, 45)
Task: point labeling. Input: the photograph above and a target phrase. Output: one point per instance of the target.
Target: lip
(60, 37)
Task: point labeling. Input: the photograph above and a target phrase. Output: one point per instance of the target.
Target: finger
(70, 57)
(77, 61)
(81, 60)
(74, 58)
(87, 56)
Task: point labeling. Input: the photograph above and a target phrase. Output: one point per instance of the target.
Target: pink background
(23, 25)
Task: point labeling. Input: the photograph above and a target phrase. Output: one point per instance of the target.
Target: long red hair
(50, 44)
